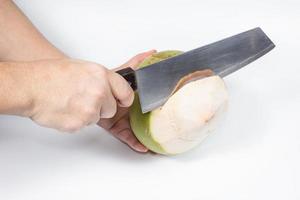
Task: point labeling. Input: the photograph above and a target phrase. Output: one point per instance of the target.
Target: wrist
(15, 98)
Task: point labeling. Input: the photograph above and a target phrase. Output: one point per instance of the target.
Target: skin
(42, 83)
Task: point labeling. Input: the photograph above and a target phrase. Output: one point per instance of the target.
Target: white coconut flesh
(189, 115)
(194, 109)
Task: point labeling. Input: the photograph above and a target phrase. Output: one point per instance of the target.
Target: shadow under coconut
(97, 143)
(242, 128)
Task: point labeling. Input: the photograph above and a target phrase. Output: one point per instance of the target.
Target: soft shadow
(94, 141)
(91, 141)
(27, 150)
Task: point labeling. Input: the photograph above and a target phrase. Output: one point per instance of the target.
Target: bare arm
(14, 94)
(48, 98)
(36, 76)
(19, 39)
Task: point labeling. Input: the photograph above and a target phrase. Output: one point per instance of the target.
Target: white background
(254, 155)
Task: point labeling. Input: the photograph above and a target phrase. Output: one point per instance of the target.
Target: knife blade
(156, 82)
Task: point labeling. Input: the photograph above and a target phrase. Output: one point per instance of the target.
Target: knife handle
(129, 74)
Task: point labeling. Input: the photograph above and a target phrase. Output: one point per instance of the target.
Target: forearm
(15, 94)
(19, 39)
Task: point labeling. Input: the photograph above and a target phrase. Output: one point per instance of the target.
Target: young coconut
(197, 103)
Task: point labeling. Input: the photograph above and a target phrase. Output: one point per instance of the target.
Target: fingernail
(152, 51)
(141, 148)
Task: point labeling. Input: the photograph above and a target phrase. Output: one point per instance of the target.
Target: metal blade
(156, 82)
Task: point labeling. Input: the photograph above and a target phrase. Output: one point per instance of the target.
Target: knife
(156, 82)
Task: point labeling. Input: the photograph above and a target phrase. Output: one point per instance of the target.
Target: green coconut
(191, 113)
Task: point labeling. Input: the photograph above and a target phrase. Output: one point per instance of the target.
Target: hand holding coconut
(119, 126)
(41, 83)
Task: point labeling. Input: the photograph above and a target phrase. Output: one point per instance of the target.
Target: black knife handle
(129, 74)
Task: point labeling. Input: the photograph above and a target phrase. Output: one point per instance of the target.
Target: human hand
(70, 94)
(119, 125)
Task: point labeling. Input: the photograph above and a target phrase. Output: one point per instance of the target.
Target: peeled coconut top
(196, 105)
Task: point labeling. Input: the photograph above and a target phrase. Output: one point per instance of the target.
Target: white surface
(255, 155)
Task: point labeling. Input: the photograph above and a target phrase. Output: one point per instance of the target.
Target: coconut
(197, 104)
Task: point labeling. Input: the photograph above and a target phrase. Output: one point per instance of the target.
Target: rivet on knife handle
(129, 74)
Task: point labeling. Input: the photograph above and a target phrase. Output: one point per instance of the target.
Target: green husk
(140, 123)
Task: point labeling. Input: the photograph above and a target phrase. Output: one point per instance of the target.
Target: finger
(109, 123)
(121, 90)
(123, 132)
(95, 117)
(128, 138)
(109, 106)
(90, 113)
(136, 60)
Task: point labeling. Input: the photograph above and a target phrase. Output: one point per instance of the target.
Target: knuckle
(72, 126)
(100, 71)
(88, 111)
(99, 93)
(97, 70)
(93, 66)
(109, 113)
(96, 91)
(126, 92)
(95, 120)
(114, 111)
(126, 97)
(99, 90)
